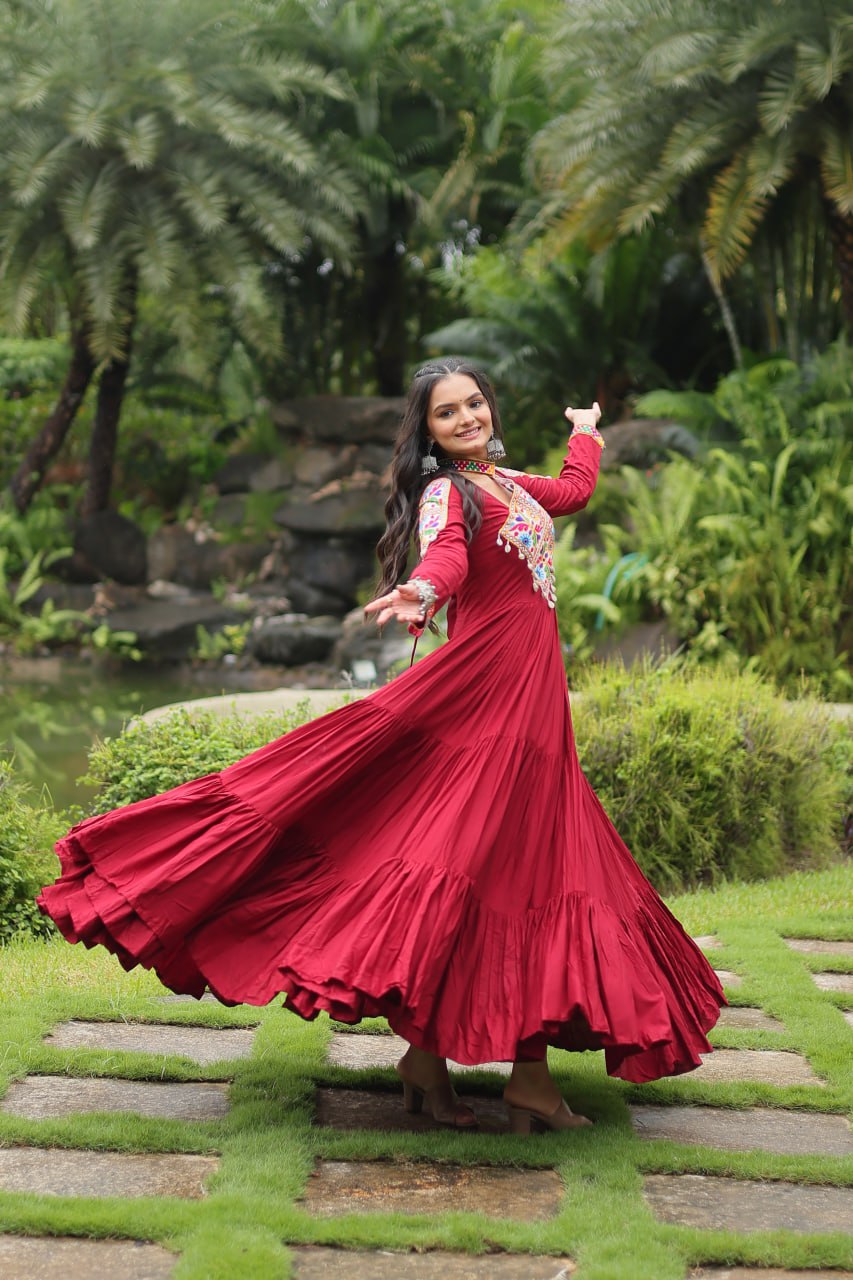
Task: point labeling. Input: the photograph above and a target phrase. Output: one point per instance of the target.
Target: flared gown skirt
(432, 854)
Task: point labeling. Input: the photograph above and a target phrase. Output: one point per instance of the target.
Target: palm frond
(836, 164)
(734, 211)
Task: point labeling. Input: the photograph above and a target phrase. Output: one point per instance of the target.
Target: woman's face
(458, 417)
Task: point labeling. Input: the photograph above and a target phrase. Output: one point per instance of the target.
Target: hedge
(706, 776)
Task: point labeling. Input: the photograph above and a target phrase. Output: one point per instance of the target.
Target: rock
(375, 458)
(236, 472)
(343, 419)
(230, 511)
(177, 555)
(362, 641)
(354, 511)
(641, 442)
(291, 640)
(314, 466)
(335, 565)
(306, 598)
(166, 630)
(113, 546)
(44, 1258)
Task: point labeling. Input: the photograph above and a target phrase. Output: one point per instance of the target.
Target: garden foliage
(27, 834)
(710, 777)
(705, 776)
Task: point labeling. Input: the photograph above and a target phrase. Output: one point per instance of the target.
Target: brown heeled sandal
(522, 1119)
(442, 1104)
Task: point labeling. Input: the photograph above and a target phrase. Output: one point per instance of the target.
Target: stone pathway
(373, 1186)
(338, 1186)
(729, 1204)
(332, 1264)
(103, 1173)
(200, 1044)
(44, 1258)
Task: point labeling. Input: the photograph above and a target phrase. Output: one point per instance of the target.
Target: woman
(432, 854)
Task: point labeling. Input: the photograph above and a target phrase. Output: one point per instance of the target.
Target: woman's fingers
(589, 417)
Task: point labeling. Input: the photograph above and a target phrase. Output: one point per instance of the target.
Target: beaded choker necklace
(472, 464)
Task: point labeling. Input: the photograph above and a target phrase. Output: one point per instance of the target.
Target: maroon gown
(432, 853)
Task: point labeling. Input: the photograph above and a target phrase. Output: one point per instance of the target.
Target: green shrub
(705, 777)
(27, 835)
(30, 363)
(152, 757)
(711, 775)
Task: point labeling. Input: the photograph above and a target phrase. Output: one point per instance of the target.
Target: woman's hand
(584, 417)
(403, 603)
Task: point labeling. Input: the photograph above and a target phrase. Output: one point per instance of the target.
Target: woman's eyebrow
(475, 395)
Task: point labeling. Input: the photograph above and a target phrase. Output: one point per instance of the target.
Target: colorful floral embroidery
(587, 429)
(434, 507)
(530, 529)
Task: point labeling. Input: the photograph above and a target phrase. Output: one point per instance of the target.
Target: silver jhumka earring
(429, 462)
(495, 449)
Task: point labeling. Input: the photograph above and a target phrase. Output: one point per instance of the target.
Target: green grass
(268, 1142)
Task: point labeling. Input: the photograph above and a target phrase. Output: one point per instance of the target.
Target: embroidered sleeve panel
(433, 512)
(530, 530)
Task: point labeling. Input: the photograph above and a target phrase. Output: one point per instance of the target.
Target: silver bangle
(427, 594)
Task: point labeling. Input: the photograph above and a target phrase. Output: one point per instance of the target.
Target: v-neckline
(506, 505)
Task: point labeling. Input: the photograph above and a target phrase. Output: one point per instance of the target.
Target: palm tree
(444, 95)
(151, 147)
(733, 109)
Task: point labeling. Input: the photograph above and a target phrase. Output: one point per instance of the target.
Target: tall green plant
(748, 552)
(159, 147)
(738, 112)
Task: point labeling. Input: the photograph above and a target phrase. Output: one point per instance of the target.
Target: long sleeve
(442, 542)
(573, 488)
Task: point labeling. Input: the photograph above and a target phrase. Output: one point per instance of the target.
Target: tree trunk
(27, 479)
(841, 231)
(725, 309)
(102, 446)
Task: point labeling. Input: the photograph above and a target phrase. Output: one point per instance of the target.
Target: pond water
(53, 709)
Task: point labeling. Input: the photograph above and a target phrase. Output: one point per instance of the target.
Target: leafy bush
(748, 551)
(27, 834)
(704, 776)
(30, 363)
(152, 757)
(709, 776)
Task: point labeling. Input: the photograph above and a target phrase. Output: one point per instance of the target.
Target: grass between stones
(269, 1142)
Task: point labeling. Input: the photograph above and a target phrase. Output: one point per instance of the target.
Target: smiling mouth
(472, 431)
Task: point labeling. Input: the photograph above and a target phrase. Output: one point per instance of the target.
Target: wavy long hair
(407, 478)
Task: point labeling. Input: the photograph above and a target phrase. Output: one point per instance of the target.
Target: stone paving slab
(207, 998)
(748, 1018)
(708, 942)
(731, 1204)
(330, 1264)
(364, 1052)
(201, 1044)
(820, 946)
(758, 1129)
(834, 982)
(363, 1109)
(763, 1066)
(729, 979)
(55, 1172)
(40, 1097)
(46, 1257)
(377, 1186)
(765, 1273)
(848, 1017)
